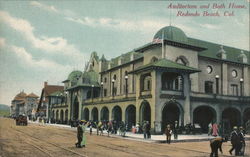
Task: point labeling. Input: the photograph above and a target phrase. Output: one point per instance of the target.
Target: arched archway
(66, 116)
(76, 109)
(86, 114)
(246, 118)
(230, 118)
(170, 113)
(104, 114)
(203, 115)
(94, 114)
(53, 116)
(57, 115)
(61, 117)
(145, 112)
(117, 114)
(130, 116)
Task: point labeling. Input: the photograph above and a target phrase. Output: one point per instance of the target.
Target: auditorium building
(173, 78)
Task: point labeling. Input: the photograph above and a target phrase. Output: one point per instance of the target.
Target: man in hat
(176, 127)
(168, 133)
(242, 143)
(79, 134)
(234, 141)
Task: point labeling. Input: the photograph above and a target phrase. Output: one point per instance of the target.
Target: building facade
(43, 105)
(173, 78)
(24, 104)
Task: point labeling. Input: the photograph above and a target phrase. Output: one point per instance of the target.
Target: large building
(173, 78)
(24, 104)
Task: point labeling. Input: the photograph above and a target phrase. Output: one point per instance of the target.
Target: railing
(110, 98)
(199, 95)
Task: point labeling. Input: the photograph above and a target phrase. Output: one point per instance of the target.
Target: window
(182, 60)
(115, 91)
(105, 79)
(153, 59)
(147, 83)
(234, 89)
(114, 77)
(105, 92)
(209, 69)
(234, 73)
(208, 87)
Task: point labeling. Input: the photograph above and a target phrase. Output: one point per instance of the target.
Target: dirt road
(43, 141)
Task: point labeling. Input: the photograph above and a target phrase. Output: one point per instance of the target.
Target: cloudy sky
(45, 40)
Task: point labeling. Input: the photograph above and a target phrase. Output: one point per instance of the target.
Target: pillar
(186, 92)
(224, 79)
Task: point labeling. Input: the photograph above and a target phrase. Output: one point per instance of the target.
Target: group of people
(237, 140)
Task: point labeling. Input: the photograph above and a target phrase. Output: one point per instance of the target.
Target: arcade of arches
(171, 112)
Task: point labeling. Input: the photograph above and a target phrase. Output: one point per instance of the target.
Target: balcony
(110, 99)
(197, 96)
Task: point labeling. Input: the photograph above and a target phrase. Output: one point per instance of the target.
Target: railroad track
(35, 141)
(119, 148)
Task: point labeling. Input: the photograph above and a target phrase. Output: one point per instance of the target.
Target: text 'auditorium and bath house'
(175, 79)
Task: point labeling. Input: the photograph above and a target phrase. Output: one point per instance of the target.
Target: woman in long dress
(83, 126)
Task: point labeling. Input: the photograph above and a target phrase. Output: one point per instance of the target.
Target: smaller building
(42, 109)
(58, 108)
(24, 104)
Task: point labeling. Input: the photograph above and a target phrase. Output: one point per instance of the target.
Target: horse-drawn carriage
(21, 120)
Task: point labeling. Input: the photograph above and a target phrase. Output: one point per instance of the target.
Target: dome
(90, 77)
(74, 74)
(172, 33)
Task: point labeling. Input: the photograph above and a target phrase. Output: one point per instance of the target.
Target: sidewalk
(139, 137)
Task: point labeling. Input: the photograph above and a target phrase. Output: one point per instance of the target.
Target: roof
(167, 65)
(74, 74)
(49, 89)
(213, 49)
(57, 93)
(20, 96)
(171, 33)
(32, 95)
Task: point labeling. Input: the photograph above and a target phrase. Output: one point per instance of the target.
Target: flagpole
(162, 42)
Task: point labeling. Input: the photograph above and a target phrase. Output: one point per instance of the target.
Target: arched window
(153, 59)
(182, 60)
(114, 77)
(147, 83)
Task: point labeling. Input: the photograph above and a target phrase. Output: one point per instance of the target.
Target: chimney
(45, 83)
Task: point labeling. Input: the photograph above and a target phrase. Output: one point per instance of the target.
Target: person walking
(215, 130)
(79, 135)
(176, 128)
(216, 144)
(110, 126)
(90, 128)
(148, 128)
(234, 141)
(242, 142)
(168, 133)
(83, 125)
(144, 128)
(209, 129)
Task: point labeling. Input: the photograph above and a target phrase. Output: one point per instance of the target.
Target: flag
(157, 40)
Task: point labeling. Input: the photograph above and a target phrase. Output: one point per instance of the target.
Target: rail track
(37, 142)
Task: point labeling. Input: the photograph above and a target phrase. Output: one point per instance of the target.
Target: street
(40, 140)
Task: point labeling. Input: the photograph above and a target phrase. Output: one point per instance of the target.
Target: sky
(46, 40)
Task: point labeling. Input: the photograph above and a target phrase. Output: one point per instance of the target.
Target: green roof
(74, 75)
(171, 33)
(213, 49)
(168, 65)
(90, 78)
